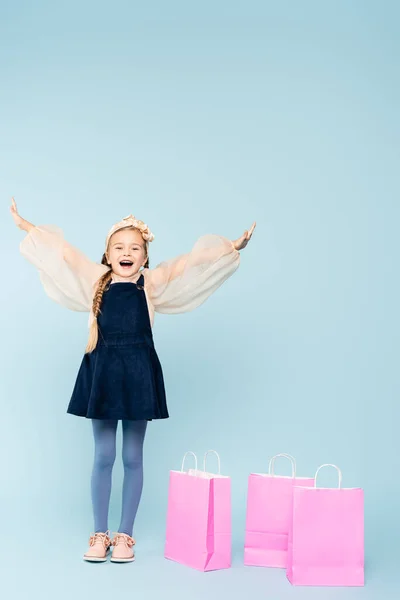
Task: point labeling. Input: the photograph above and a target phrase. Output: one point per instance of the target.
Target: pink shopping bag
(268, 515)
(198, 531)
(326, 537)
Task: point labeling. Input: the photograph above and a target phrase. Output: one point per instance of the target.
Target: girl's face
(126, 252)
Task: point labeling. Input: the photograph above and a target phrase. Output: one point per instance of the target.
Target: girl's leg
(104, 432)
(132, 457)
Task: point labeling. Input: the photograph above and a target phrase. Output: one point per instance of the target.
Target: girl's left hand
(242, 242)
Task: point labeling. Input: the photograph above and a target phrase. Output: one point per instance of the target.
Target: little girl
(120, 377)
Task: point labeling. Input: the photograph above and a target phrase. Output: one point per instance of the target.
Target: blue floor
(45, 561)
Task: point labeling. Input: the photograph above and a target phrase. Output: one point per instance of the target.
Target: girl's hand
(19, 221)
(242, 242)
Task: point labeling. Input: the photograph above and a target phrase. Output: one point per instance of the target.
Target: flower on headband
(131, 221)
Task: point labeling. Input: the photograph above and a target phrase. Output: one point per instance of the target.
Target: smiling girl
(120, 377)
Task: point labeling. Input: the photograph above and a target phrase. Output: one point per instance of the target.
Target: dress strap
(140, 281)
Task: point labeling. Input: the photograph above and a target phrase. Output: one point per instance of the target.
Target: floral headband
(130, 221)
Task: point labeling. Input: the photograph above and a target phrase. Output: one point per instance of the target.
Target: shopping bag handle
(184, 458)
(329, 465)
(218, 458)
(288, 456)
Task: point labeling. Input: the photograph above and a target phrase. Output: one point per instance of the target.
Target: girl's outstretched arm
(183, 283)
(67, 275)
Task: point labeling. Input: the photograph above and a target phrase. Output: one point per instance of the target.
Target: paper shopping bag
(198, 532)
(326, 537)
(268, 515)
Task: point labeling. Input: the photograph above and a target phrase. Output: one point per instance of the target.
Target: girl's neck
(118, 278)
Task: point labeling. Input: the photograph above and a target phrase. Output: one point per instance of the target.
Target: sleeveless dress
(122, 378)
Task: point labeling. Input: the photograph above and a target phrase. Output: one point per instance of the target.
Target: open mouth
(126, 264)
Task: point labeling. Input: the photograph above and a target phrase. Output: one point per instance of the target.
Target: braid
(97, 300)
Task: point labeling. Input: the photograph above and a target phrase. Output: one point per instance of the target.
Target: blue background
(200, 118)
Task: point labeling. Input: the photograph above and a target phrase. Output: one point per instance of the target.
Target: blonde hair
(102, 284)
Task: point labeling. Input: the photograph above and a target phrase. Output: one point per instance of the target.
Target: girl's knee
(132, 461)
(104, 460)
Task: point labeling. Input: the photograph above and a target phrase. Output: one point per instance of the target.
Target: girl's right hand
(19, 221)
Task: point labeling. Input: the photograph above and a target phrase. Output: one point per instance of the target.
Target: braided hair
(103, 285)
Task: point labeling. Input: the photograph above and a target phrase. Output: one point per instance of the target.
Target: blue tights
(104, 432)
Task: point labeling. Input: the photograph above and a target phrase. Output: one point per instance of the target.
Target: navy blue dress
(122, 378)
